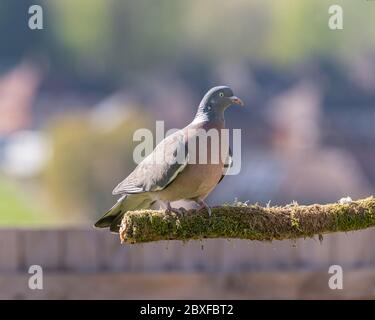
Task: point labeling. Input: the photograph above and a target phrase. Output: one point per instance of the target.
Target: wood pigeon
(169, 173)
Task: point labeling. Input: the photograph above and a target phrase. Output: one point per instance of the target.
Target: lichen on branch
(252, 222)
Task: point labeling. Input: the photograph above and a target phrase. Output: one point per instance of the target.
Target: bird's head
(215, 102)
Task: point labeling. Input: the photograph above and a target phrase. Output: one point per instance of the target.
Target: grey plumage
(156, 171)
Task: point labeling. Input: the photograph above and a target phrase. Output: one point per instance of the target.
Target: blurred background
(72, 95)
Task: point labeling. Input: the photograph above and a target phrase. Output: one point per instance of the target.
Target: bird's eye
(221, 94)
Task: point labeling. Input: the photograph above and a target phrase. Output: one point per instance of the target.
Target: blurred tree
(300, 30)
(116, 39)
(17, 209)
(112, 42)
(87, 162)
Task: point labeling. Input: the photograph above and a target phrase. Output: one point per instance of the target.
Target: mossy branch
(252, 222)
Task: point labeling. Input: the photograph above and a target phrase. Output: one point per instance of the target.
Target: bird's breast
(205, 165)
(195, 181)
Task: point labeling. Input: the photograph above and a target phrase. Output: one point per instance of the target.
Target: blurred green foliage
(86, 163)
(112, 41)
(16, 209)
(130, 37)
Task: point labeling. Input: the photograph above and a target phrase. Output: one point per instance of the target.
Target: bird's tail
(112, 218)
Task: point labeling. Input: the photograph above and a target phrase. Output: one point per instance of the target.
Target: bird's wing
(158, 169)
(228, 164)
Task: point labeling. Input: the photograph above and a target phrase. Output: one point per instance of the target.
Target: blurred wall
(86, 264)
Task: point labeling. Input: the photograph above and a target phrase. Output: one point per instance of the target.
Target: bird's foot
(203, 205)
(181, 211)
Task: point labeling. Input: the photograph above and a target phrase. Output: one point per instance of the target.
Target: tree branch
(252, 222)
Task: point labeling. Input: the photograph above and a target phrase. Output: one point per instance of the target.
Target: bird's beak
(236, 100)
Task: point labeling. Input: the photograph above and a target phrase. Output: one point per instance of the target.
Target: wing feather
(158, 169)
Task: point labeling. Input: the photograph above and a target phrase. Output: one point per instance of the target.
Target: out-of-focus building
(310, 169)
(18, 89)
(297, 165)
(23, 152)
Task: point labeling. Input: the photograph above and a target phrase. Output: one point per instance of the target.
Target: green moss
(251, 222)
(355, 216)
(294, 221)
